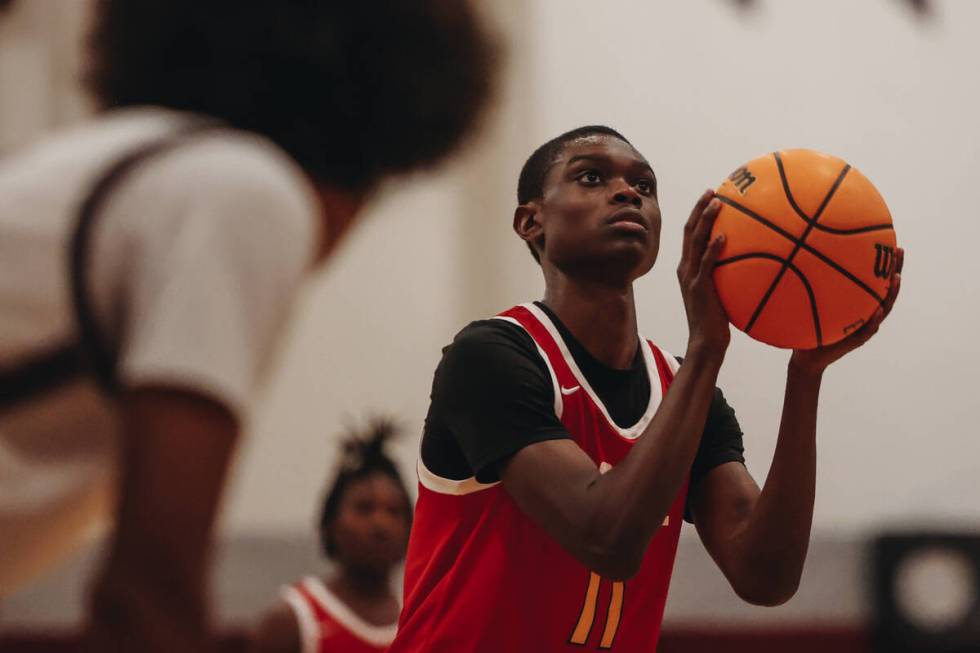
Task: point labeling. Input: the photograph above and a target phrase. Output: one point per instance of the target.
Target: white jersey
(194, 261)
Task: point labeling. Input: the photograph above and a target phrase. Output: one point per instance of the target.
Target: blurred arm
(151, 595)
(278, 632)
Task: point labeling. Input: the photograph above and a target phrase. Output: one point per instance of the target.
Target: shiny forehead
(599, 147)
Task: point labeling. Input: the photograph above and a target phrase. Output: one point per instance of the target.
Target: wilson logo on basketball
(884, 260)
(742, 179)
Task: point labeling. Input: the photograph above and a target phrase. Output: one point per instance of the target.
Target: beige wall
(39, 66)
(699, 88)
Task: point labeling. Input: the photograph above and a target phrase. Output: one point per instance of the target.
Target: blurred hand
(706, 319)
(817, 360)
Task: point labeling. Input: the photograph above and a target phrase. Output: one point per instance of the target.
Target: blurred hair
(530, 184)
(354, 91)
(361, 455)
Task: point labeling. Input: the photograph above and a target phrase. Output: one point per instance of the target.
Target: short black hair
(353, 91)
(530, 183)
(362, 454)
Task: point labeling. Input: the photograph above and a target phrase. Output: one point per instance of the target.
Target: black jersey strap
(91, 352)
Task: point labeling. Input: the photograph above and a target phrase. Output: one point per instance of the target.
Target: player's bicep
(722, 502)
(549, 481)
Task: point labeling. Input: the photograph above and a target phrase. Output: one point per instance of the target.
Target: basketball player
(364, 530)
(556, 467)
(149, 259)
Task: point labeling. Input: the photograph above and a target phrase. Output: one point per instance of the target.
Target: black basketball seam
(796, 270)
(761, 220)
(812, 221)
(786, 189)
(789, 259)
(851, 232)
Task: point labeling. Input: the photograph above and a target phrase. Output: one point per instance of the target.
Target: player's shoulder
(490, 335)
(489, 345)
(221, 183)
(223, 165)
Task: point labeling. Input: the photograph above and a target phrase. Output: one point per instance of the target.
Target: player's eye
(363, 507)
(644, 186)
(590, 178)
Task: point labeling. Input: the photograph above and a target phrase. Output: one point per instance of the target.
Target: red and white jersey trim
(460, 487)
(436, 483)
(309, 629)
(656, 389)
(559, 404)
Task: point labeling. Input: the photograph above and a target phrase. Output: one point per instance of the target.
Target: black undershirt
(492, 396)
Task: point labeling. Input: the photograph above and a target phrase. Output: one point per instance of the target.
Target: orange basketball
(809, 248)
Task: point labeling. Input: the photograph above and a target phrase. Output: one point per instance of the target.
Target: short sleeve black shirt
(492, 396)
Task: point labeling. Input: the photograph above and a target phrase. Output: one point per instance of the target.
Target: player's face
(599, 212)
(371, 530)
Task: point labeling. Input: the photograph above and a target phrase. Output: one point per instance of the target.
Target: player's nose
(624, 193)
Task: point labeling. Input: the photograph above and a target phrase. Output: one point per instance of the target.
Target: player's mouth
(629, 220)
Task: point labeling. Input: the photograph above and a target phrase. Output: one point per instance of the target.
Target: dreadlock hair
(530, 184)
(361, 455)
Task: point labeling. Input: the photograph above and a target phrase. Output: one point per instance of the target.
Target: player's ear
(526, 223)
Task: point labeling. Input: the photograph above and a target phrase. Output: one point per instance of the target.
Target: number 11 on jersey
(586, 619)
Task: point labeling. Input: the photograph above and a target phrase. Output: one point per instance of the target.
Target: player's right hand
(706, 319)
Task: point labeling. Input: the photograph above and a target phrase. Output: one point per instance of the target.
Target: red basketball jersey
(481, 576)
(327, 625)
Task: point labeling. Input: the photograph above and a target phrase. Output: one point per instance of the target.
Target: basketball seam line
(811, 223)
(788, 236)
(796, 270)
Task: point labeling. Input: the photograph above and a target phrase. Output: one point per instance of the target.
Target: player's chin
(380, 554)
(632, 258)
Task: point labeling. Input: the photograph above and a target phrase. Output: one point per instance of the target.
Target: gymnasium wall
(698, 86)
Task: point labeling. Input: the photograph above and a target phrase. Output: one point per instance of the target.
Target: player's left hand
(817, 360)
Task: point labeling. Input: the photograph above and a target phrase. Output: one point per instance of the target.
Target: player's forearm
(176, 454)
(774, 540)
(637, 494)
(130, 614)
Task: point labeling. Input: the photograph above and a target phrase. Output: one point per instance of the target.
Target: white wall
(39, 67)
(699, 87)
(433, 253)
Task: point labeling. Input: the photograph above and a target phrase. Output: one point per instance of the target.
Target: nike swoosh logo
(570, 391)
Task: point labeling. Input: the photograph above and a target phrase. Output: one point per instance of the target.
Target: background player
(364, 527)
(196, 251)
(556, 467)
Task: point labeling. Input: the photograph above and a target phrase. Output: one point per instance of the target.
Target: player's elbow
(617, 568)
(767, 592)
(615, 561)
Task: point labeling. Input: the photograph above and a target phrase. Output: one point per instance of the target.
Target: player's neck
(338, 210)
(601, 317)
(368, 596)
(360, 584)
